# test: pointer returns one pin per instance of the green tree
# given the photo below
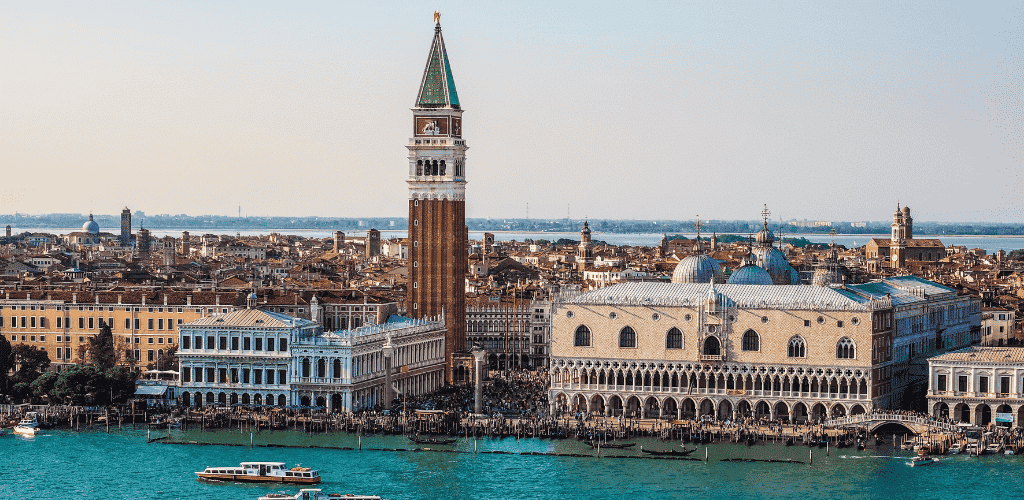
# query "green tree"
(42, 386)
(121, 384)
(81, 384)
(101, 348)
(31, 362)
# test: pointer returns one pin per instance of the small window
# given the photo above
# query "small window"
(687, 317)
(569, 314)
(655, 316)
(764, 319)
(821, 320)
(839, 324)
(807, 322)
(845, 349)
(854, 321)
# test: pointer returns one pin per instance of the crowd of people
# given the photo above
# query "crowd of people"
(513, 394)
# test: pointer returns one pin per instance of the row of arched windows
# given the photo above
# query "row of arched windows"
(438, 167)
(751, 341)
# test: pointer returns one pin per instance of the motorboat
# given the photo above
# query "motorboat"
(992, 449)
(29, 426)
(262, 472)
(954, 449)
(922, 459)
(971, 449)
(316, 494)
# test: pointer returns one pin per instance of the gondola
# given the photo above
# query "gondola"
(419, 440)
(676, 453)
(617, 446)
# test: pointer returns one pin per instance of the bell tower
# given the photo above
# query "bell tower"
(437, 203)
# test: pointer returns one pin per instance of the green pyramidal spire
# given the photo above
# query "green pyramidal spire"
(437, 90)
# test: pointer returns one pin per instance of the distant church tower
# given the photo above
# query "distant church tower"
(126, 226)
(902, 230)
(585, 252)
(438, 259)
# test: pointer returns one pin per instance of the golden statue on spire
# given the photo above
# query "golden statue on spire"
(437, 17)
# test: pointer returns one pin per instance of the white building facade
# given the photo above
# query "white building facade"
(978, 385)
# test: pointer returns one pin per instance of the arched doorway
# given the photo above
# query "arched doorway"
(245, 399)
(817, 412)
(1002, 412)
(281, 400)
(838, 411)
(762, 410)
(651, 408)
(962, 412)
(983, 414)
(615, 404)
(689, 409)
(799, 413)
(671, 408)
(257, 399)
(579, 404)
(210, 398)
(725, 410)
(304, 401)
(597, 405)
(562, 403)
(492, 361)
(743, 409)
(234, 399)
(782, 412)
(941, 410)
(321, 401)
(857, 410)
(337, 403)
(707, 408)
(186, 398)
(633, 407)
(222, 399)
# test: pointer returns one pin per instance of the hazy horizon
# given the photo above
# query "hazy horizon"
(663, 111)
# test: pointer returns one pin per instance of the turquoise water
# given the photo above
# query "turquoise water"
(69, 464)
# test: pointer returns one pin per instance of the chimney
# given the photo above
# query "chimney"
(119, 299)
(143, 298)
(188, 299)
(28, 296)
(165, 299)
(218, 298)
(74, 298)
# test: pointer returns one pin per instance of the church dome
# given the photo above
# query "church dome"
(750, 275)
(91, 226)
(699, 268)
(773, 261)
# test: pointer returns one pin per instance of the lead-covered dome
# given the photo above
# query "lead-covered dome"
(91, 226)
(750, 275)
(773, 261)
(699, 268)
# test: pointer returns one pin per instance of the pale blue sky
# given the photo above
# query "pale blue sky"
(666, 110)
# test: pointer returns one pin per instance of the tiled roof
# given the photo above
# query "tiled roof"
(750, 296)
(978, 354)
(251, 318)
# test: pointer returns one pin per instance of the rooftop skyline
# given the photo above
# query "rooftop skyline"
(586, 110)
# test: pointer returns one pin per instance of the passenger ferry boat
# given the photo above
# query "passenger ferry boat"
(29, 425)
(262, 472)
(316, 494)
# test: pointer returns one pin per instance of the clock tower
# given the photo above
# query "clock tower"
(437, 203)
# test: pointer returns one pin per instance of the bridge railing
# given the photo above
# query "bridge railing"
(894, 418)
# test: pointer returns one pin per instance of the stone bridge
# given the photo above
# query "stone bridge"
(917, 424)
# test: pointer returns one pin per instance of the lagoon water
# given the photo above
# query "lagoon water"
(63, 464)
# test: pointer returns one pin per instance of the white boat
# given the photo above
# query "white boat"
(921, 460)
(971, 449)
(954, 449)
(262, 472)
(316, 494)
(992, 449)
(29, 425)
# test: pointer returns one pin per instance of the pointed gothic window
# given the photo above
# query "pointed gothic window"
(797, 348)
(419, 167)
(627, 337)
(751, 341)
(845, 349)
(582, 336)
(433, 169)
(441, 171)
(712, 347)
(674, 339)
